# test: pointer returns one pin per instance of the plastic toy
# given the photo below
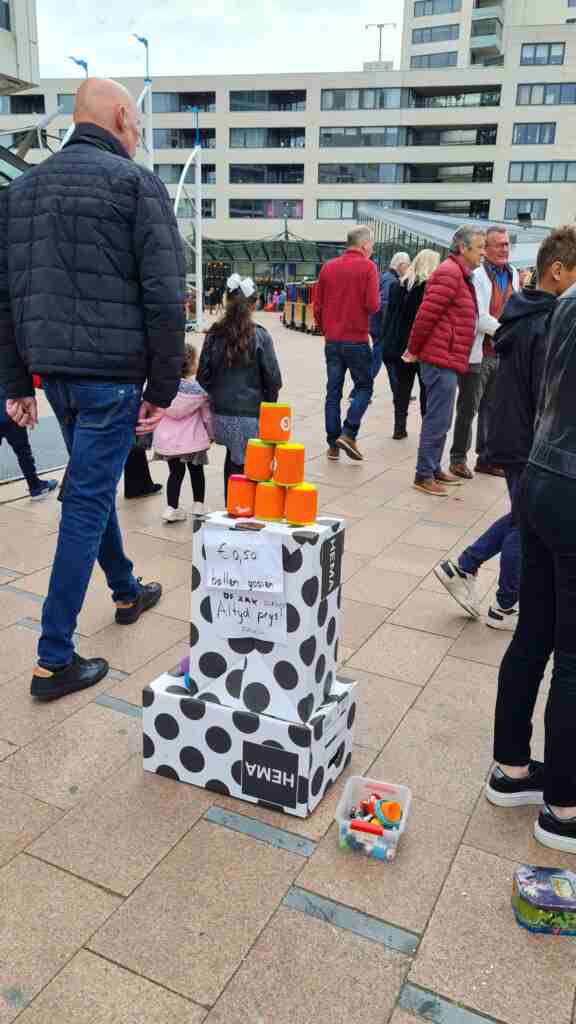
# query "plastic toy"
(301, 505)
(275, 422)
(544, 899)
(259, 461)
(371, 817)
(289, 464)
(241, 496)
(269, 501)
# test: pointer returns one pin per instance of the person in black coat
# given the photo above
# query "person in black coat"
(404, 301)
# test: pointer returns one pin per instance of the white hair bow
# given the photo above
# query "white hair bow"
(246, 285)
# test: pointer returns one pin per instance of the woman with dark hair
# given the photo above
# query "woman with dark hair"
(239, 370)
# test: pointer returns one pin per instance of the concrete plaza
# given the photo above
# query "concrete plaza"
(127, 898)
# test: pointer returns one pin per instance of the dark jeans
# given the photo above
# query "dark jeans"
(502, 538)
(137, 479)
(19, 442)
(98, 423)
(475, 391)
(176, 476)
(376, 356)
(357, 358)
(230, 468)
(440, 384)
(546, 624)
(406, 374)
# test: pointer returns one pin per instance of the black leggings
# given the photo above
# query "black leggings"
(406, 375)
(177, 473)
(229, 469)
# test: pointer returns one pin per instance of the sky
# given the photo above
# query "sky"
(213, 37)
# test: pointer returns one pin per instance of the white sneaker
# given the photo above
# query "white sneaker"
(460, 585)
(199, 508)
(173, 515)
(502, 618)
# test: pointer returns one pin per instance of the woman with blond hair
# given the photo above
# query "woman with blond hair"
(403, 304)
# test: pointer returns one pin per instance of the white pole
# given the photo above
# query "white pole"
(149, 126)
(199, 281)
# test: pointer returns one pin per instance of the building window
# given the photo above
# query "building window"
(267, 138)
(266, 174)
(435, 34)
(187, 209)
(435, 60)
(542, 170)
(66, 101)
(358, 174)
(448, 174)
(479, 135)
(360, 136)
(267, 209)
(535, 207)
(183, 102)
(534, 133)
(552, 94)
(361, 99)
(5, 15)
(476, 208)
(268, 99)
(170, 174)
(542, 53)
(21, 104)
(351, 209)
(486, 27)
(425, 8)
(183, 138)
(425, 99)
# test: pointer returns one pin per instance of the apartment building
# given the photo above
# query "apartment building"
(18, 46)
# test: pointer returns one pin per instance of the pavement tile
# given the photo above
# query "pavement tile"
(62, 766)
(130, 649)
(359, 621)
(351, 564)
(23, 719)
(25, 553)
(379, 587)
(130, 689)
(401, 1017)
(382, 705)
(18, 647)
(442, 760)
(401, 654)
(431, 613)
(17, 606)
(509, 834)
(352, 506)
(406, 558)
(404, 891)
(208, 899)
(122, 830)
(461, 690)
(176, 604)
(21, 821)
(433, 535)
(474, 953)
(453, 513)
(277, 979)
(46, 915)
(6, 749)
(91, 990)
(479, 643)
(376, 532)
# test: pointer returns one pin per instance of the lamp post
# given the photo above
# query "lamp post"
(81, 64)
(145, 102)
(380, 25)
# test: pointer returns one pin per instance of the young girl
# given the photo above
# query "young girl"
(182, 438)
(239, 370)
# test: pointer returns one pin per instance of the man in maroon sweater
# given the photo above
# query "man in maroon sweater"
(348, 291)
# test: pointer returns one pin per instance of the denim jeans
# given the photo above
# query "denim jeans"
(440, 384)
(475, 390)
(19, 442)
(356, 357)
(502, 538)
(376, 356)
(98, 423)
(547, 614)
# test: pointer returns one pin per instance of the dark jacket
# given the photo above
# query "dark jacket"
(520, 344)
(376, 321)
(554, 447)
(91, 272)
(238, 390)
(403, 304)
(346, 294)
(445, 325)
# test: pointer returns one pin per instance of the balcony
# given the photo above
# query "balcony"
(485, 35)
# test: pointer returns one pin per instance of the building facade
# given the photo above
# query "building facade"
(18, 47)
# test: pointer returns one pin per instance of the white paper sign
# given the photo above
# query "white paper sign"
(238, 561)
(235, 614)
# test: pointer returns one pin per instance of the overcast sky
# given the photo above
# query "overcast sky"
(216, 37)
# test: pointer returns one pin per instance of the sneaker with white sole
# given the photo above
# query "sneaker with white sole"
(502, 791)
(173, 515)
(502, 618)
(555, 833)
(460, 585)
(199, 508)
(43, 489)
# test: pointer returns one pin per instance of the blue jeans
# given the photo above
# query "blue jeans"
(357, 358)
(19, 442)
(441, 385)
(502, 538)
(97, 422)
(376, 356)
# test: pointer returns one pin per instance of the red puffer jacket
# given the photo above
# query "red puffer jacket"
(445, 325)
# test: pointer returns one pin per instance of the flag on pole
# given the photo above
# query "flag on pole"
(80, 63)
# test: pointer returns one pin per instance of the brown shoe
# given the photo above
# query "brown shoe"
(447, 479)
(348, 445)
(333, 454)
(488, 469)
(462, 470)
(430, 486)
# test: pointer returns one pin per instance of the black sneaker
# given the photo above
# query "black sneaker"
(149, 596)
(556, 833)
(505, 792)
(50, 684)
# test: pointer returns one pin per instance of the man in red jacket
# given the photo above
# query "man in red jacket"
(348, 291)
(441, 339)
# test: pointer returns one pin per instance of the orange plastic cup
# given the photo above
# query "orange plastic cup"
(259, 460)
(289, 464)
(301, 505)
(275, 422)
(241, 496)
(270, 500)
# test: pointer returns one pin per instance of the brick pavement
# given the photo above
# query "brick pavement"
(127, 898)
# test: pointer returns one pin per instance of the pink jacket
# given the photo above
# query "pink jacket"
(186, 426)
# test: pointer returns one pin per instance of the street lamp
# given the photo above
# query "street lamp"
(81, 64)
(380, 25)
(145, 102)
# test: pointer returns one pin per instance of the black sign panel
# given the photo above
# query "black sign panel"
(331, 562)
(269, 774)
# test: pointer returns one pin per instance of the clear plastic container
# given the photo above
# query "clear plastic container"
(357, 788)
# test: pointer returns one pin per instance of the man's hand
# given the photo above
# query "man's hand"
(148, 418)
(408, 357)
(24, 411)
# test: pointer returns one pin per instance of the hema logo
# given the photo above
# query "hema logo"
(331, 560)
(270, 774)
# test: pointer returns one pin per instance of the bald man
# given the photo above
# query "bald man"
(91, 299)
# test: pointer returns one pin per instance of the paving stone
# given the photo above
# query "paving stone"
(351, 564)
(401, 1017)
(406, 558)
(277, 977)
(474, 953)
(24, 719)
(26, 553)
(130, 648)
(376, 532)
(359, 621)
(401, 654)
(479, 643)
(509, 834)
(382, 705)
(432, 613)
(177, 603)
(433, 535)
(402, 892)
(14, 606)
(211, 897)
(18, 648)
(378, 587)
(461, 690)
(46, 916)
(130, 689)
(21, 821)
(6, 749)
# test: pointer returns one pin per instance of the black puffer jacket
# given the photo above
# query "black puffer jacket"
(403, 304)
(238, 390)
(520, 343)
(555, 443)
(92, 272)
